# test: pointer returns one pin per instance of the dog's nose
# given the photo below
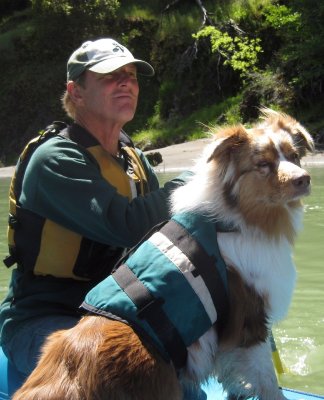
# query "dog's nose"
(302, 181)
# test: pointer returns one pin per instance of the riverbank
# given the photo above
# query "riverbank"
(182, 156)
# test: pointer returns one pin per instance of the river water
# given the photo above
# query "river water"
(300, 337)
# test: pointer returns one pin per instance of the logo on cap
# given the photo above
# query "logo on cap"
(117, 47)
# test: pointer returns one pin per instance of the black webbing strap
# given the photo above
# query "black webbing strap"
(50, 131)
(205, 266)
(132, 250)
(149, 308)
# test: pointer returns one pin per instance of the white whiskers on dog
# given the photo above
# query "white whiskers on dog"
(250, 182)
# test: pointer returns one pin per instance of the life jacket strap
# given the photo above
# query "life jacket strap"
(132, 250)
(207, 266)
(10, 260)
(150, 309)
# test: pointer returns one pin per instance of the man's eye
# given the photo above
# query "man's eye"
(132, 75)
(118, 75)
(109, 76)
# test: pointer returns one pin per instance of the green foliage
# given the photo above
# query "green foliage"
(246, 9)
(52, 6)
(239, 52)
(299, 24)
(282, 17)
(8, 7)
(181, 24)
(163, 133)
(249, 53)
(265, 88)
(142, 8)
(165, 104)
(91, 8)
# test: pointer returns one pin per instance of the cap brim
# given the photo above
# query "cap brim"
(111, 64)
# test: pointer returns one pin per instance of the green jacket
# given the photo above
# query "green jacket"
(64, 184)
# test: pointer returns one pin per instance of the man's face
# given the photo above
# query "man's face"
(112, 97)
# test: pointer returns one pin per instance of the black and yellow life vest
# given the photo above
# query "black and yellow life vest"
(44, 247)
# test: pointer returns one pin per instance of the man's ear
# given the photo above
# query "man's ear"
(74, 91)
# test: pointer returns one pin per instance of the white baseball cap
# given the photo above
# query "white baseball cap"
(103, 56)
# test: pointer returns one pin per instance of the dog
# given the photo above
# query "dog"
(251, 182)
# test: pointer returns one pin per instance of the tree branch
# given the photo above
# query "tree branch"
(206, 18)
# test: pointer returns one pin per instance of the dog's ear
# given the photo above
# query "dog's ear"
(301, 137)
(302, 140)
(227, 142)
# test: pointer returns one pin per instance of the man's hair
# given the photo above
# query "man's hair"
(67, 103)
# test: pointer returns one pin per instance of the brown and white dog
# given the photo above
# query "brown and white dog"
(249, 178)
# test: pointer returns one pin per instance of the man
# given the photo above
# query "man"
(84, 196)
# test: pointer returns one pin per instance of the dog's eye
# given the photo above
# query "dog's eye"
(262, 164)
(294, 158)
(263, 167)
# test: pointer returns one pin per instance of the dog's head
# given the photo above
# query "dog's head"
(263, 161)
(260, 169)
(254, 175)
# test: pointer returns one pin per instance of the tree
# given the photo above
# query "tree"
(239, 52)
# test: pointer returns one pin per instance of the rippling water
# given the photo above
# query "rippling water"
(300, 337)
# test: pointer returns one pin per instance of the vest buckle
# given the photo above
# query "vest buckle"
(13, 221)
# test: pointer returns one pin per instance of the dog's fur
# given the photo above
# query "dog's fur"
(252, 179)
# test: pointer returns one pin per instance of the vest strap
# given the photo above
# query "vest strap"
(149, 308)
(207, 266)
(10, 260)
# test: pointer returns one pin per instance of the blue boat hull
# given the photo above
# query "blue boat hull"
(214, 392)
(11, 380)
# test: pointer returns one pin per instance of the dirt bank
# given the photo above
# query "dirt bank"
(182, 156)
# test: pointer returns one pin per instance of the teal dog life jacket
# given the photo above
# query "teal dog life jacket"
(172, 289)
